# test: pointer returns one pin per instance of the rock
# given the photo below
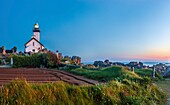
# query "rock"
(99, 64)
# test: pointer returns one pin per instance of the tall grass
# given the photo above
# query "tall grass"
(127, 92)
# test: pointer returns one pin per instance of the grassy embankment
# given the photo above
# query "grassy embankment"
(124, 88)
(113, 73)
(114, 92)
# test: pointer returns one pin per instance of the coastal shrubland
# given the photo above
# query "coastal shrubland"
(126, 92)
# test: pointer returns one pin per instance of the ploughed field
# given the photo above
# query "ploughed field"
(35, 75)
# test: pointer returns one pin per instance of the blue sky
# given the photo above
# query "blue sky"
(118, 30)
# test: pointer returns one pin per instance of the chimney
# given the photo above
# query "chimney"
(3, 50)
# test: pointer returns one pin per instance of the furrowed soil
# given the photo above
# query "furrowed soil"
(36, 75)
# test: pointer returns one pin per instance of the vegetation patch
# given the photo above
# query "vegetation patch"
(106, 74)
(148, 73)
(36, 60)
(114, 73)
(127, 92)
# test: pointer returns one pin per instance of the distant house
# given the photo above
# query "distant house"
(4, 52)
(76, 59)
(34, 45)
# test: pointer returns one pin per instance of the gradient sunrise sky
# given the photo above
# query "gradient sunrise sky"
(119, 30)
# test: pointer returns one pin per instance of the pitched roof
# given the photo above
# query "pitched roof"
(35, 40)
(9, 51)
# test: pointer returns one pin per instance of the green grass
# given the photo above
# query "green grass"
(113, 73)
(165, 85)
(144, 72)
(106, 74)
(148, 73)
(127, 92)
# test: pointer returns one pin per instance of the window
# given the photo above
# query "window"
(33, 43)
(33, 50)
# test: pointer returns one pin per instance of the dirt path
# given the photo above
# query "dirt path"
(165, 85)
(35, 75)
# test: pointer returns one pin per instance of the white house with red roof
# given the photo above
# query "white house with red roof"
(34, 45)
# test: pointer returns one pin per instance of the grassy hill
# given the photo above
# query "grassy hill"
(124, 88)
(106, 74)
(113, 73)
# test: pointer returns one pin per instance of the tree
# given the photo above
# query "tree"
(52, 60)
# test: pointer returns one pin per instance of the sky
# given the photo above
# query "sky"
(119, 30)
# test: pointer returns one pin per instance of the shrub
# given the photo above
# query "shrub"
(36, 60)
(26, 61)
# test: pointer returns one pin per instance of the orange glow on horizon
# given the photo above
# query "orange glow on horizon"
(159, 57)
(161, 54)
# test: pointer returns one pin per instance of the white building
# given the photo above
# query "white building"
(34, 44)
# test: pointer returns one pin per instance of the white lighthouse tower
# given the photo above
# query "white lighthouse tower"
(36, 32)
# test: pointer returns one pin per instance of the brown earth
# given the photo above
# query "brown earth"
(36, 75)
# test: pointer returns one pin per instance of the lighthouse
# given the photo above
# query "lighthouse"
(34, 45)
(36, 32)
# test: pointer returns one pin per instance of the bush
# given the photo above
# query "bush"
(36, 60)
(26, 61)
